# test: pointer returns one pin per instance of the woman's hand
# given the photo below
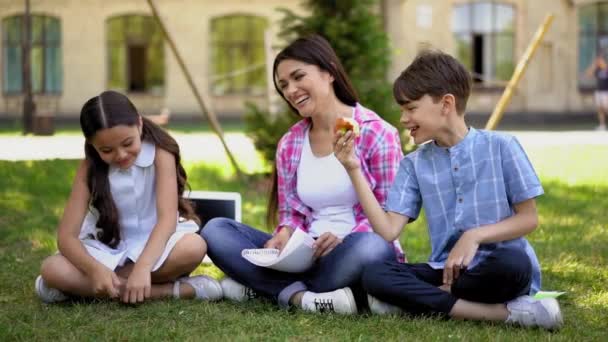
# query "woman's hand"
(460, 257)
(105, 282)
(280, 239)
(344, 150)
(139, 285)
(325, 244)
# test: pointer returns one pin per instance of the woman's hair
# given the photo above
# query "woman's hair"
(107, 110)
(314, 50)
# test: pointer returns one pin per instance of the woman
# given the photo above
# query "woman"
(312, 191)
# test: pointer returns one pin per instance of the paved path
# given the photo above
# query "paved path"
(206, 146)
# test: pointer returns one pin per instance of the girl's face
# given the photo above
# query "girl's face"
(118, 146)
(305, 86)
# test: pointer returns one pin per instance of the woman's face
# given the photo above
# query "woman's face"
(305, 86)
(118, 146)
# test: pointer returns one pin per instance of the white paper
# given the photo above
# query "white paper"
(296, 256)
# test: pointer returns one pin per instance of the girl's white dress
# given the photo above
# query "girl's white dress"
(134, 192)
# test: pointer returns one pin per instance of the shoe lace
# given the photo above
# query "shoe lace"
(323, 305)
(250, 293)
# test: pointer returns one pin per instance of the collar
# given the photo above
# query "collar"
(145, 157)
(466, 141)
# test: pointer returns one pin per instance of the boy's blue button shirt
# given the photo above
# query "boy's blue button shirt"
(473, 183)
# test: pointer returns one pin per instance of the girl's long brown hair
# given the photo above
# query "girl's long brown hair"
(314, 50)
(107, 110)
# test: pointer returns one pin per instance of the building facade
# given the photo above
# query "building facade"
(80, 48)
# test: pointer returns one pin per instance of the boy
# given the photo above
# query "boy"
(477, 188)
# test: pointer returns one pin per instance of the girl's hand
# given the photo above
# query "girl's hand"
(280, 239)
(105, 282)
(344, 150)
(460, 256)
(325, 244)
(139, 285)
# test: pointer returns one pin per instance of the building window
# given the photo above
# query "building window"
(136, 58)
(45, 65)
(592, 38)
(484, 33)
(237, 55)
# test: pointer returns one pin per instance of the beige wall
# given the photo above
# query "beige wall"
(84, 49)
(549, 85)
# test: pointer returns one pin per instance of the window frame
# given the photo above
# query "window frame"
(249, 43)
(595, 34)
(45, 43)
(144, 38)
(494, 33)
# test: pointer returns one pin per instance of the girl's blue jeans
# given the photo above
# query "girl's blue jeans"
(342, 267)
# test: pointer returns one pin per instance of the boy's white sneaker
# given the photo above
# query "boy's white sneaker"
(379, 307)
(237, 291)
(529, 312)
(48, 294)
(600, 127)
(340, 301)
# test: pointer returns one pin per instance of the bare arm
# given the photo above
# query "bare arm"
(388, 225)
(522, 223)
(139, 282)
(69, 244)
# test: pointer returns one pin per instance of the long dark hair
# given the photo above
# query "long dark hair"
(314, 50)
(107, 110)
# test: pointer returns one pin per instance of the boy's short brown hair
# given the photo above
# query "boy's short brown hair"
(434, 73)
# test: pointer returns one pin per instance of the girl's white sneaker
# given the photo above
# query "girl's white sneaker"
(48, 294)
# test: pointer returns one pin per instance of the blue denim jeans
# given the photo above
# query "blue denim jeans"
(504, 275)
(340, 268)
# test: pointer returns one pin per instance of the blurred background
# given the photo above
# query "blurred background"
(80, 48)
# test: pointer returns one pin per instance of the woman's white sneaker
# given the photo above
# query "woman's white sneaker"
(529, 312)
(48, 294)
(237, 291)
(382, 308)
(340, 301)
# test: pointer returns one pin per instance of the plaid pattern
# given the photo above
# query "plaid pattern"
(378, 147)
(474, 183)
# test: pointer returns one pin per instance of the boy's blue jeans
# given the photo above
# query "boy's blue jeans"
(342, 267)
(504, 275)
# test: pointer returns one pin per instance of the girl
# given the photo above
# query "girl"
(312, 191)
(126, 232)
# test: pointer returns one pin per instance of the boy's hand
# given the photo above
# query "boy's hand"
(460, 256)
(344, 150)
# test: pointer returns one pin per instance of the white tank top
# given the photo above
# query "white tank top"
(325, 187)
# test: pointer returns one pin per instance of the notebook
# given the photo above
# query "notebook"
(296, 256)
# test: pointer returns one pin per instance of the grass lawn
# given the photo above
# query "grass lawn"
(571, 242)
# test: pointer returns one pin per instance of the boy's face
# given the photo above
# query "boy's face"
(423, 118)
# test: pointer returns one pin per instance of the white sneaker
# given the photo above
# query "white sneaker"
(529, 312)
(381, 308)
(48, 294)
(205, 288)
(600, 128)
(237, 291)
(341, 301)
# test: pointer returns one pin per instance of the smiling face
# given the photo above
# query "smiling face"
(423, 118)
(306, 87)
(118, 146)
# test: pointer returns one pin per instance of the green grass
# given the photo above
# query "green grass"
(571, 242)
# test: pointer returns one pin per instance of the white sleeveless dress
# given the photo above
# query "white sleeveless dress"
(134, 192)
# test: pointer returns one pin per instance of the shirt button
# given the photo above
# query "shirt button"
(460, 200)
(456, 168)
